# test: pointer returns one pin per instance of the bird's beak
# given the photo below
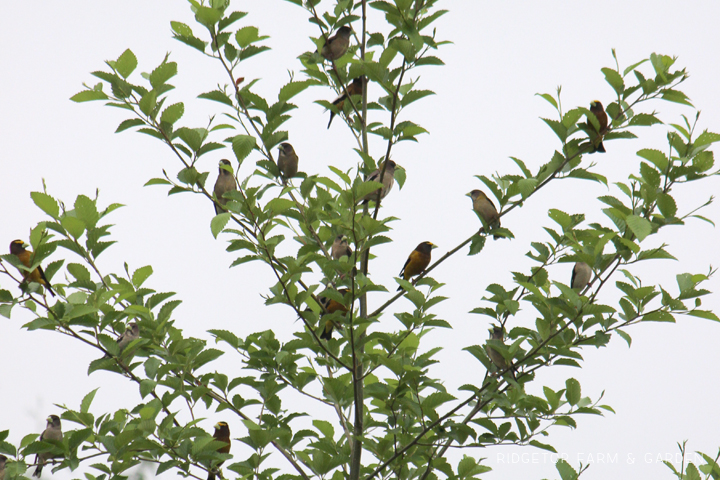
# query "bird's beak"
(468, 194)
(433, 245)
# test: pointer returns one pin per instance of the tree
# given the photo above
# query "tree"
(411, 417)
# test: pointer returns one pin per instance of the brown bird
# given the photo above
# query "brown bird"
(3, 459)
(388, 180)
(337, 45)
(222, 434)
(331, 306)
(340, 248)
(496, 333)
(287, 161)
(131, 333)
(355, 88)
(17, 248)
(53, 431)
(580, 275)
(485, 209)
(597, 109)
(417, 262)
(224, 183)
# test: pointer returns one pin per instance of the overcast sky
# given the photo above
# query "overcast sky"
(664, 389)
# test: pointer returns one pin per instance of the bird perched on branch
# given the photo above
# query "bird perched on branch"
(224, 183)
(287, 161)
(131, 333)
(388, 180)
(53, 431)
(222, 434)
(496, 333)
(597, 109)
(355, 88)
(485, 209)
(17, 248)
(340, 248)
(337, 45)
(417, 262)
(331, 306)
(580, 275)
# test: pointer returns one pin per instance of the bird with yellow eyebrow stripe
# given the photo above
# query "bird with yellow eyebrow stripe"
(597, 109)
(222, 434)
(17, 248)
(417, 261)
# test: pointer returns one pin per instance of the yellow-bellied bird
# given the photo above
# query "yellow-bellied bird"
(417, 261)
(597, 109)
(580, 275)
(53, 431)
(287, 161)
(224, 183)
(355, 88)
(17, 248)
(337, 45)
(331, 306)
(222, 434)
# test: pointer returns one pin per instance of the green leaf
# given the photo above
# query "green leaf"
(572, 391)
(173, 113)
(162, 74)
(639, 226)
(74, 226)
(667, 205)
(656, 157)
(247, 35)
(141, 274)
(280, 205)
(676, 96)
(614, 79)
(293, 88)
(706, 314)
(89, 95)
(217, 96)
(126, 63)
(565, 470)
(242, 145)
(87, 400)
(217, 224)
(46, 203)
(207, 16)
(132, 122)
(147, 102)
(549, 98)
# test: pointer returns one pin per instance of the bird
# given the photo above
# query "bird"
(485, 209)
(131, 333)
(222, 434)
(355, 88)
(337, 45)
(224, 183)
(17, 248)
(597, 109)
(287, 161)
(580, 275)
(496, 333)
(3, 459)
(53, 431)
(417, 262)
(331, 306)
(388, 180)
(340, 248)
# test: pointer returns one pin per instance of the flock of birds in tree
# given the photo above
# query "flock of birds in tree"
(287, 163)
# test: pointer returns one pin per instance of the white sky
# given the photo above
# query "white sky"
(663, 389)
